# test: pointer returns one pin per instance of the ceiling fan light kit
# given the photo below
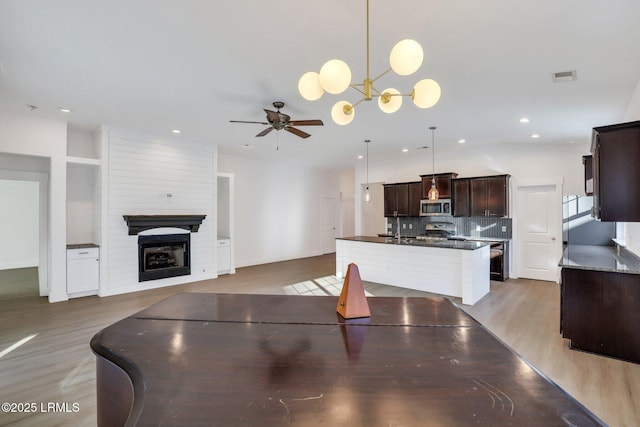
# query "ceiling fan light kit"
(335, 77)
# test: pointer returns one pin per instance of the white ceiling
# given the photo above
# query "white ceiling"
(194, 65)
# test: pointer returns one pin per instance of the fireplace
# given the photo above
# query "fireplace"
(164, 255)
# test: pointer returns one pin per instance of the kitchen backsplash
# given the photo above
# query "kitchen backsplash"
(465, 226)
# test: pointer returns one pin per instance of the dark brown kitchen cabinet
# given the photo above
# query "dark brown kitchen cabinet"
(460, 197)
(587, 161)
(488, 196)
(415, 195)
(616, 172)
(599, 312)
(396, 199)
(443, 184)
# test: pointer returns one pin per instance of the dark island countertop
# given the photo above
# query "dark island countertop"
(408, 241)
(600, 258)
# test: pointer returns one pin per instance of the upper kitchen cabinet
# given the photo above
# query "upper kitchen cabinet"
(415, 195)
(460, 197)
(481, 196)
(587, 161)
(396, 199)
(443, 184)
(616, 175)
(488, 196)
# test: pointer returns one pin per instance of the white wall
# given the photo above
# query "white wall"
(26, 135)
(521, 161)
(19, 224)
(148, 175)
(632, 230)
(278, 208)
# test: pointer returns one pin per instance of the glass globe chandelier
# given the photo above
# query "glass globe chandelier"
(335, 77)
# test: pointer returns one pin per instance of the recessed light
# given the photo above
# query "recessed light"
(176, 131)
(535, 135)
(65, 110)
(404, 150)
(524, 120)
(462, 141)
(564, 76)
(360, 157)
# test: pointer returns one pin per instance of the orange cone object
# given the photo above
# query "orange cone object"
(352, 302)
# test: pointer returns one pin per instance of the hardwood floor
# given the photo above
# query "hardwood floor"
(57, 366)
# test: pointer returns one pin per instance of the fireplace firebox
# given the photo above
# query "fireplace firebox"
(162, 256)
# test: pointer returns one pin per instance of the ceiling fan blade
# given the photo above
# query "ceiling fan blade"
(298, 132)
(306, 123)
(272, 116)
(266, 131)
(243, 121)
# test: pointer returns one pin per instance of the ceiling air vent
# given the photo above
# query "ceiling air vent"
(564, 76)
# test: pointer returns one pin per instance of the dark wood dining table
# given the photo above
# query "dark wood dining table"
(206, 359)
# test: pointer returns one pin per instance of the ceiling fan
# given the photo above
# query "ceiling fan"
(277, 120)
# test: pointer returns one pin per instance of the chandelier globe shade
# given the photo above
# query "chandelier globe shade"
(390, 100)
(426, 93)
(406, 57)
(343, 113)
(335, 76)
(309, 86)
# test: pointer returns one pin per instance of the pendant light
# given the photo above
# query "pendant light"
(367, 194)
(433, 192)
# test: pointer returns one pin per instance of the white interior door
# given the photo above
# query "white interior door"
(328, 225)
(539, 243)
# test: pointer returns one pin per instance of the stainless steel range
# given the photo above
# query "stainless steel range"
(437, 231)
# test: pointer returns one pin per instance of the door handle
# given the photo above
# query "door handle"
(553, 238)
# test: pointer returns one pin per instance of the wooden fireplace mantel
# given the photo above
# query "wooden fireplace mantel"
(138, 223)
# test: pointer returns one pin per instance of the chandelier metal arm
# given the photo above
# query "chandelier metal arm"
(381, 75)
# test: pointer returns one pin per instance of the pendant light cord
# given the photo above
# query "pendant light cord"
(433, 155)
(367, 142)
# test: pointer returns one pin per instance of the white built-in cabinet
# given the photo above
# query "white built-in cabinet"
(83, 270)
(224, 248)
(224, 256)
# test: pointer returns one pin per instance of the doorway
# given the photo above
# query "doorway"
(24, 212)
(539, 229)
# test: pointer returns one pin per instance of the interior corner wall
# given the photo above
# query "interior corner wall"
(144, 174)
(278, 213)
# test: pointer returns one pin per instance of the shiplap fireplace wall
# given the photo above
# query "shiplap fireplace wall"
(145, 175)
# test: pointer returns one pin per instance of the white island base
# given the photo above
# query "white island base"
(462, 273)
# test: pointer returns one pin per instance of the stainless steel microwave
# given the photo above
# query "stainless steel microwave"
(435, 207)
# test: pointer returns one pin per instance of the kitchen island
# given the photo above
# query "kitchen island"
(454, 268)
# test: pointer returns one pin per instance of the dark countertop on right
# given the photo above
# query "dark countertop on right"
(600, 258)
